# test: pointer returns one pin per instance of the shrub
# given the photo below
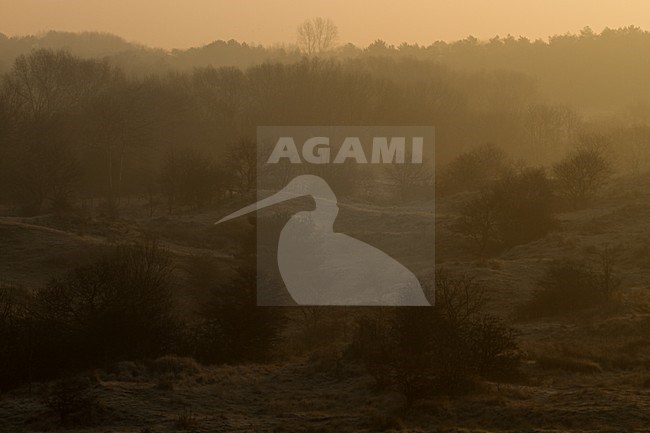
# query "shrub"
(15, 336)
(174, 365)
(478, 221)
(318, 328)
(231, 327)
(117, 308)
(494, 347)
(569, 287)
(525, 206)
(412, 181)
(73, 400)
(515, 210)
(584, 171)
(472, 170)
(441, 349)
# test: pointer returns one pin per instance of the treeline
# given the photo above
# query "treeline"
(74, 129)
(593, 71)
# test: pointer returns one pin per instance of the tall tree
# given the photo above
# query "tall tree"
(317, 35)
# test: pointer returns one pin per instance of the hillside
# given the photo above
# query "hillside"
(564, 69)
(585, 372)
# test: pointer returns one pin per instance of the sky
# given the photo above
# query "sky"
(186, 23)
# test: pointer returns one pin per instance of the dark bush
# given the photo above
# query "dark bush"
(443, 349)
(74, 401)
(118, 308)
(525, 206)
(517, 209)
(15, 336)
(569, 287)
(115, 309)
(479, 222)
(472, 170)
(231, 327)
(585, 170)
(493, 347)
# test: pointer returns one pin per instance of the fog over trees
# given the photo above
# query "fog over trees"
(132, 152)
(565, 68)
(91, 115)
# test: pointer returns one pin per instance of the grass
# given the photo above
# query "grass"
(588, 371)
(572, 365)
(186, 420)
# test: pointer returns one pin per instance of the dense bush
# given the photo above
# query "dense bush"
(472, 170)
(74, 400)
(525, 202)
(479, 222)
(569, 287)
(436, 350)
(516, 209)
(582, 173)
(117, 308)
(231, 327)
(15, 336)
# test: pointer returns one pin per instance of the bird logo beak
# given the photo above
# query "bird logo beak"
(269, 201)
(298, 187)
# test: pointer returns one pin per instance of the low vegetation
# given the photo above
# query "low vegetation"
(97, 153)
(570, 287)
(583, 173)
(516, 209)
(424, 352)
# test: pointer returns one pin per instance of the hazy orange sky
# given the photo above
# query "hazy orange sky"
(185, 23)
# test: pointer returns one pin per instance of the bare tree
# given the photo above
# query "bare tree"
(479, 221)
(44, 94)
(604, 276)
(241, 161)
(317, 35)
(549, 128)
(411, 180)
(117, 123)
(45, 82)
(474, 169)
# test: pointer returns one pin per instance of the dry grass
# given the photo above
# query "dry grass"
(572, 365)
(585, 372)
(295, 397)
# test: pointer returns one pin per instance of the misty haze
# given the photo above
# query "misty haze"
(523, 235)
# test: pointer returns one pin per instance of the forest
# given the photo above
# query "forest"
(121, 126)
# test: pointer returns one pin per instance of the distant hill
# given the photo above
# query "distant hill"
(596, 72)
(136, 58)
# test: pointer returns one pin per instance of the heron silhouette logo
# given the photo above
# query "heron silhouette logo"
(320, 266)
